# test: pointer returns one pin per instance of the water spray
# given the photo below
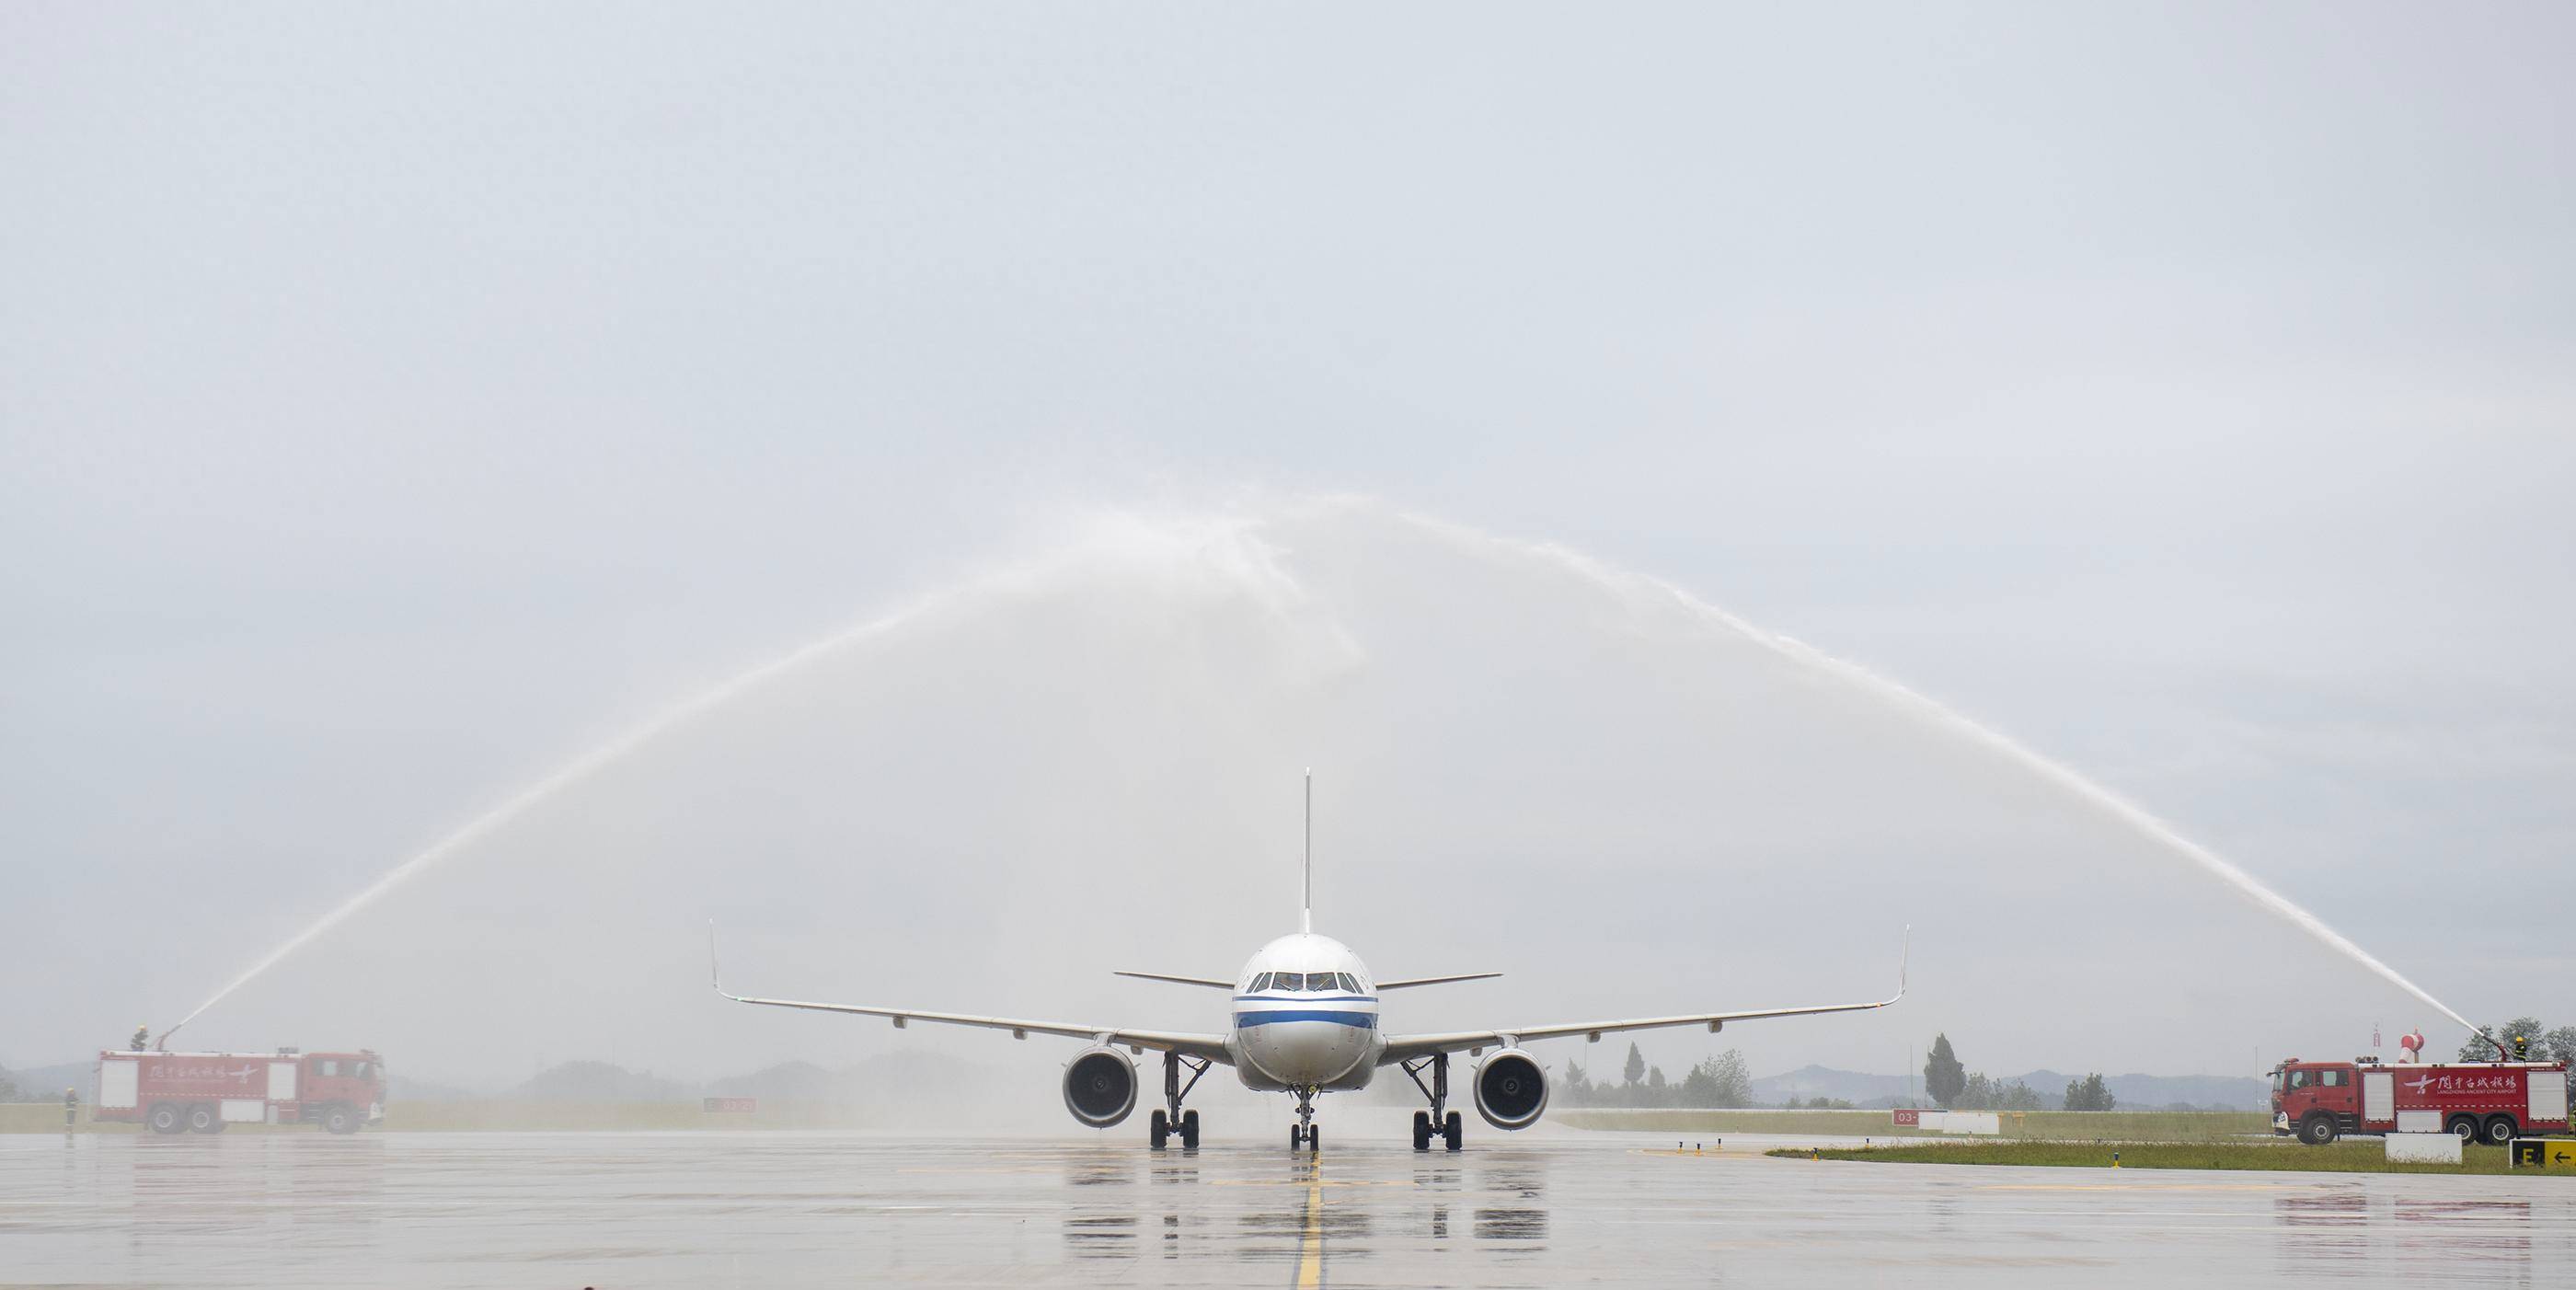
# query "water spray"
(1615, 581)
(1926, 709)
(586, 765)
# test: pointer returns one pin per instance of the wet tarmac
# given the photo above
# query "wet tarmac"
(772, 1209)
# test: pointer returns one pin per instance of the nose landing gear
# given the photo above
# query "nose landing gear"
(1175, 1120)
(1441, 1122)
(1303, 1132)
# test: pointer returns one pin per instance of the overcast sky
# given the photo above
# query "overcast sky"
(394, 403)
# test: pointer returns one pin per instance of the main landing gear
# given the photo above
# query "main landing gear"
(1174, 1120)
(1439, 1121)
(1304, 1133)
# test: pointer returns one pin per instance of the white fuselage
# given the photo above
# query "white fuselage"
(1304, 1016)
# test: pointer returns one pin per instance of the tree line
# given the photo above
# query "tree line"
(2545, 1044)
(1723, 1080)
(1954, 1087)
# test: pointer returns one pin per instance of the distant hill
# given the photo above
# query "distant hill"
(2155, 1092)
(1811, 1081)
(46, 1083)
(412, 1088)
(789, 1081)
(598, 1082)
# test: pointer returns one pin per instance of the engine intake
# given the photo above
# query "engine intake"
(1099, 1087)
(1511, 1089)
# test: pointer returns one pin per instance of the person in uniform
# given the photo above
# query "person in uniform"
(142, 1037)
(71, 1107)
(2521, 1049)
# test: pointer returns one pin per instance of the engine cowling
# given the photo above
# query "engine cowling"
(1099, 1087)
(1511, 1089)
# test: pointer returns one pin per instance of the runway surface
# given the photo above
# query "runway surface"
(770, 1209)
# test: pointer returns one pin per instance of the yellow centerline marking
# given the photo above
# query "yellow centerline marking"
(1310, 1252)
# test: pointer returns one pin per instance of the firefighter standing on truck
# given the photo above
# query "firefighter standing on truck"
(2521, 1049)
(142, 1036)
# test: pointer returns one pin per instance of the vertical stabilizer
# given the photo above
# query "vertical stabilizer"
(1306, 911)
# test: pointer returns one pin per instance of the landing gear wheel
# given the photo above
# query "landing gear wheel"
(2464, 1126)
(1315, 1138)
(1296, 1137)
(1422, 1130)
(2317, 1130)
(202, 1119)
(1455, 1131)
(2500, 1130)
(166, 1118)
(1190, 1130)
(1157, 1130)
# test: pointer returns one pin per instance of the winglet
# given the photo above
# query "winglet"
(1903, 956)
(715, 971)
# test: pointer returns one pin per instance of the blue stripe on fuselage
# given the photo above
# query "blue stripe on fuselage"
(1305, 998)
(1358, 1020)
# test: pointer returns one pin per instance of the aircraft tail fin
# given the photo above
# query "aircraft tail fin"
(1306, 911)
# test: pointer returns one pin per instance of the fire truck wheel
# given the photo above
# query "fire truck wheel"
(340, 1118)
(2317, 1130)
(202, 1119)
(2500, 1129)
(166, 1118)
(2464, 1126)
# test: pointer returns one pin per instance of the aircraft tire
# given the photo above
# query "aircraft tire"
(1190, 1130)
(1455, 1131)
(1158, 1130)
(1296, 1137)
(1315, 1138)
(1422, 1130)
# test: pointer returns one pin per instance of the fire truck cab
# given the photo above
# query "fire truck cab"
(2480, 1101)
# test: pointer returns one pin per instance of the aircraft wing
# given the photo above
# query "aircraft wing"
(1205, 1046)
(1406, 1047)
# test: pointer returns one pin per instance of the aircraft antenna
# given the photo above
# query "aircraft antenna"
(1306, 921)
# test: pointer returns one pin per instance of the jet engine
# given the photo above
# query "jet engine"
(1511, 1089)
(1099, 1087)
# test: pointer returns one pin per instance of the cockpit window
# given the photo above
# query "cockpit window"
(1287, 981)
(1350, 984)
(1260, 981)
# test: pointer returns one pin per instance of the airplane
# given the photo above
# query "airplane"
(1305, 1021)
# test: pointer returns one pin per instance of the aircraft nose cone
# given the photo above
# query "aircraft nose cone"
(1307, 1052)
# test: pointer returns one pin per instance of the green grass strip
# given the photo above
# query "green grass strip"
(2350, 1157)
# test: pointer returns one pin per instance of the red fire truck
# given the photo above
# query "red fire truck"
(203, 1092)
(2480, 1101)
